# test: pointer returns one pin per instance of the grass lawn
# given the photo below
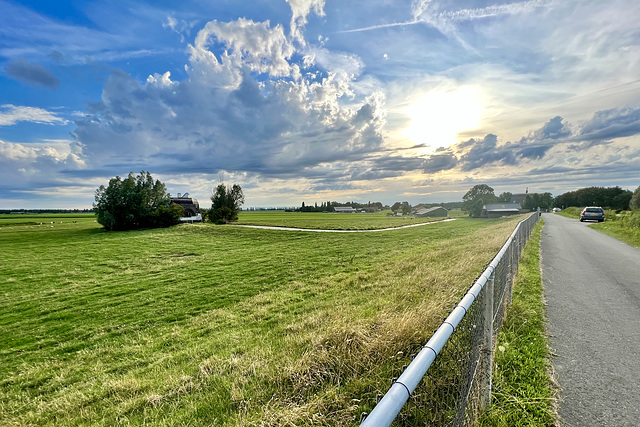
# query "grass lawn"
(333, 220)
(219, 325)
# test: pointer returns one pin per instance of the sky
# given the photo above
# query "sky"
(317, 100)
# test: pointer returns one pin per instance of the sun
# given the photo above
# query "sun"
(438, 116)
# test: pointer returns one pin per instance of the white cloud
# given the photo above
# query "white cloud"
(300, 9)
(26, 167)
(247, 105)
(12, 114)
(479, 13)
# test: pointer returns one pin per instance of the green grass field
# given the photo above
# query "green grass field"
(334, 221)
(219, 325)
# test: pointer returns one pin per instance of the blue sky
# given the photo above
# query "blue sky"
(314, 100)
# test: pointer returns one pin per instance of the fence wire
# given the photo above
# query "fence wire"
(451, 391)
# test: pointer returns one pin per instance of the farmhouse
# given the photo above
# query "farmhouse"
(498, 210)
(189, 204)
(436, 211)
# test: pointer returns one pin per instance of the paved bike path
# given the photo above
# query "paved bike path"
(592, 289)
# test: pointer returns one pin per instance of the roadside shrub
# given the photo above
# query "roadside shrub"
(631, 220)
(611, 215)
(572, 211)
(634, 203)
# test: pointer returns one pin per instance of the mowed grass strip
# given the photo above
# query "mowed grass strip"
(220, 325)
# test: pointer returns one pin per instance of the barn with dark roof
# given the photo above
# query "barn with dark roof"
(189, 204)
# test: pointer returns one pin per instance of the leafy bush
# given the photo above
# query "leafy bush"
(634, 203)
(610, 215)
(572, 212)
(135, 202)
(631, 220)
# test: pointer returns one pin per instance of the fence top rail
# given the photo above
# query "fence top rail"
(392, 402)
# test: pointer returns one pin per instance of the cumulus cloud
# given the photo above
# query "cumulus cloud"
(610, 124)
(477, 153)
(32, 74)
(253, 44)
(250, 102)
(12, 114)
(25, 167)
(601, 129)
(439, 162)
(300, 9)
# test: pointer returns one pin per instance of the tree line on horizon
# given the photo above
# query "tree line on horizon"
(404, 207)
(614, 198)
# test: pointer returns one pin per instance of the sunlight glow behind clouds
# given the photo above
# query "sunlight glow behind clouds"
(438, 116)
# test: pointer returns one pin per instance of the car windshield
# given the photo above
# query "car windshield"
(598, 210)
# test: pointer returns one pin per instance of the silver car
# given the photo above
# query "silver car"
(592, 213)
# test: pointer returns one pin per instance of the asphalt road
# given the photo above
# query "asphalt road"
(592, 288)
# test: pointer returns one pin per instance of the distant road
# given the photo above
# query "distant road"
(592, 288)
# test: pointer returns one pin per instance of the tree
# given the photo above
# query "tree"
(634, 203)
(135, 202)
(535, 201)
(478, 196)
(396, 207)
(611, 198)
(505, 197)
(226, 203)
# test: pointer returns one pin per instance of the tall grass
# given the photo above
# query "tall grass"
(625, 227)
(220, 325)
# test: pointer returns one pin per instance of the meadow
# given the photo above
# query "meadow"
(201, 324)
(335, 221)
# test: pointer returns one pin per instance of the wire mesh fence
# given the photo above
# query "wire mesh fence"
(452, 388)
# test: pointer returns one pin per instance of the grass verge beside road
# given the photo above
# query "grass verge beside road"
(617, 230)
(523, 393)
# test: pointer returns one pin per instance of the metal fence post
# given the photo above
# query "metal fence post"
(512, 269)
(486, 353)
